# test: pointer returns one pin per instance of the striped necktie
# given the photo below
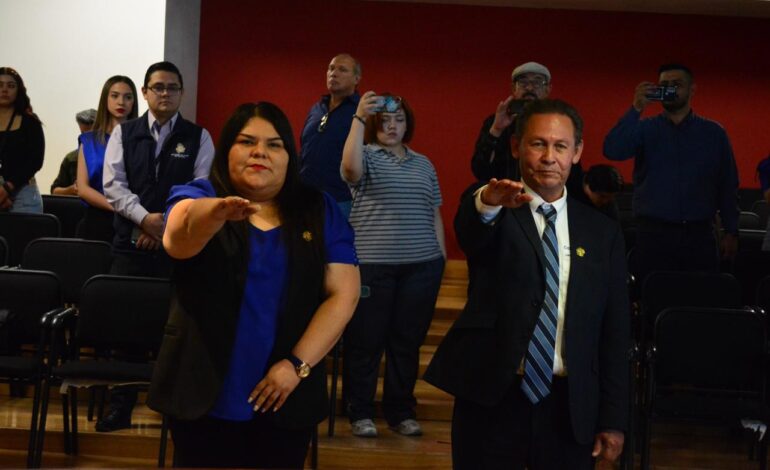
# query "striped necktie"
(538, 365)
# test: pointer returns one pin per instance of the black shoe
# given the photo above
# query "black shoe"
(116, 419)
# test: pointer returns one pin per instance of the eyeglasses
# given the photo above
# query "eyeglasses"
(534, 84)
(159, 89)
(322, 124)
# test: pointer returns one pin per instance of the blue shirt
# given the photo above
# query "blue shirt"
(93, 154)
(321, 151)
(683, 172)
(263, 299)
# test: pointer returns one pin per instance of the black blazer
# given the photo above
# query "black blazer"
(200, 332)
(481, 353)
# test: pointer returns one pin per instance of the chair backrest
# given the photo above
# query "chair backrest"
(74, 260)
(3, 251)
(20, 229)
(68, 209)
(749, 220)
(760, 208)
(27, 295)
(665, 289)
(750, 240)
(711, 348)
(749, 268)
(123, 312)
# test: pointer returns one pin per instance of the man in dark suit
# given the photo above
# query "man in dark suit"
(537, 359)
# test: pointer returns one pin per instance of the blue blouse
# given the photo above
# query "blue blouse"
(93, 153)
(263, 296)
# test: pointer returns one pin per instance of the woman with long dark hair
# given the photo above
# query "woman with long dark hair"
(266, 280)
(22, 146)
(117, 104)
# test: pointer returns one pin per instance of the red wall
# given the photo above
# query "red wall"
(453, 64)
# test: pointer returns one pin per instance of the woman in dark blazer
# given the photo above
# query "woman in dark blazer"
(266, 279)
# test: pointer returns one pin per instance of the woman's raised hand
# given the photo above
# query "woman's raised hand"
(367, 104)
(234, 208)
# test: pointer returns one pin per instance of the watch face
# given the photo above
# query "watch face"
(303, 370)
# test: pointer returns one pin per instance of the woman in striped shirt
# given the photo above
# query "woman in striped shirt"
(400, 245)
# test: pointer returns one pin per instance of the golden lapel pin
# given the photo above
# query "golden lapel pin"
(307, 236)
(580, 251)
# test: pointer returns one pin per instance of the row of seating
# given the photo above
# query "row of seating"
(699, 354)
(60, 302)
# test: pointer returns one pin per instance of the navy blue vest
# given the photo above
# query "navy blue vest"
(176, 163)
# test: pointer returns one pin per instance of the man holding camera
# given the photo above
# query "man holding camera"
(326, 128)
(684, 174)
(492, 156)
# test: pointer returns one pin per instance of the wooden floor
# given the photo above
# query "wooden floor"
(673, 447)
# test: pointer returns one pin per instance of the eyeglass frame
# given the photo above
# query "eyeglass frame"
(160, 89)
(536, 84)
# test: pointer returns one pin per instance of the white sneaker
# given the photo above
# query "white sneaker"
(363, 428)
(408, 427)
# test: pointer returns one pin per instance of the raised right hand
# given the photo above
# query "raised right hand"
(234, 208)
(640, 95)
(367, 104)
(506, 193)
(502, 118)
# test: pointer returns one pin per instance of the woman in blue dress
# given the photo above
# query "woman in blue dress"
(117, 104)
(266, 279)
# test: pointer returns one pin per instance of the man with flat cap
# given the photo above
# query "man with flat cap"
(492, 156)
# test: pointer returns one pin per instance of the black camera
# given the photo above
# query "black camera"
(661, 93)
(516, 107)
(388, 104)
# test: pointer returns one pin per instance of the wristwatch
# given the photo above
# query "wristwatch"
(301, 367)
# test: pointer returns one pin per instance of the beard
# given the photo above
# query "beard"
(674, 106)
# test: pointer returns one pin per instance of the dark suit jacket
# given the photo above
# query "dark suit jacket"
(481, 354)
(197, 346)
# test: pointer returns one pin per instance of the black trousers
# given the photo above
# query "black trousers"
(217, 443)
(664, 246)
(96, 224)
(515, 434)
(393, 316)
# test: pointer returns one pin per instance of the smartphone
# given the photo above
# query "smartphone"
(661, 93)
(388, 104)
(516, 107)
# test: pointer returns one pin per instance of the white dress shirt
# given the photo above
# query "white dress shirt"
(488, 214)
(114, 178)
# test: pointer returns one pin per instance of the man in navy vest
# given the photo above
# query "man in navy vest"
(145, 157)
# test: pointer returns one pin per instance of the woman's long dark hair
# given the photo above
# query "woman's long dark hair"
(301, 208)
(22, 104)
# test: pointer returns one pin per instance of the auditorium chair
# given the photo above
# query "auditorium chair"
(28, 299)
(74, 260)
(749, 220)
(707, 366)
(3, 252)
(20, 229)
(68, 209)
(115, 313)
(661, 290)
